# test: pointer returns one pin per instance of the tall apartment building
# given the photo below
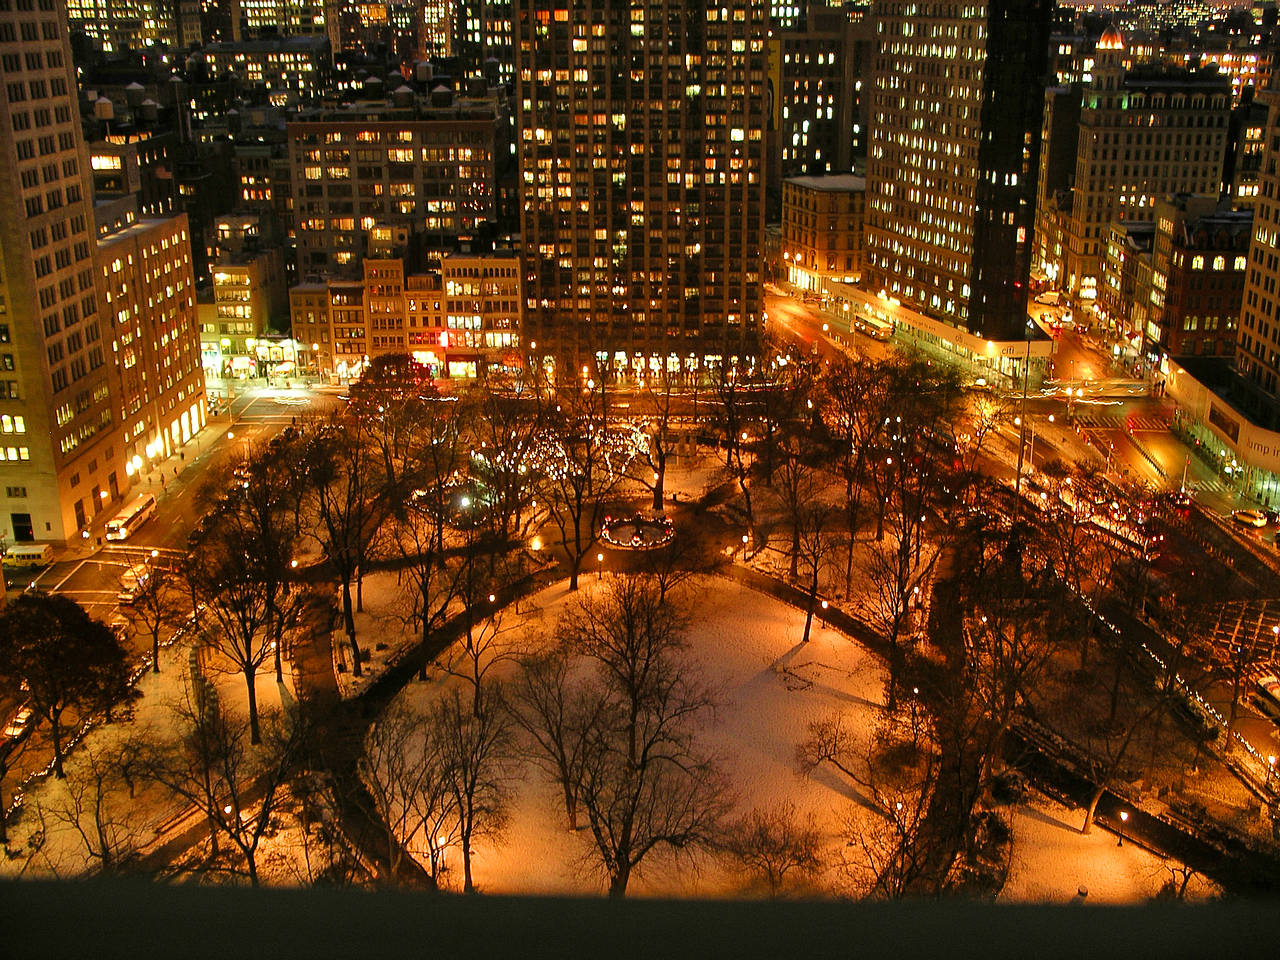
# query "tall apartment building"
(150, 309)
(641, 151)
(429, 167)
(1143, 134)
(952, 161)
(117, 24)
(61, 456)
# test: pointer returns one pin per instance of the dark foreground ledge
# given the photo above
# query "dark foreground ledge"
(142, 921)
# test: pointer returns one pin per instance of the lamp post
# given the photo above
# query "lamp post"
(1271, 769)
(1124, 818)
(599, 569)
(824, 614)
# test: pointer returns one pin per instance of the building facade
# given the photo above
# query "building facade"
(953, 158)
(1144, 134)
(430, 169)
(456, 321)
(641, 154)
(61, 455)
(149, 292)
(822, 221)
(134, 24)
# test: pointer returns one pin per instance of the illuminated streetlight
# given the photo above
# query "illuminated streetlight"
(1124, 818)
(1271, 767)
(600, 569)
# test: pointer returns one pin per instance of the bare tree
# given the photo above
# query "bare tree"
(855, 411)
(735, 423)
(897, 570)
(645, 784)
(92, 807)
(894, 854)
(236, 785)
(581, 465)
(475, 749)
(559, 717)
(394, 768)
(347, 478)
(236, 608)
(813, 545)
(158, 605)
(775, 845)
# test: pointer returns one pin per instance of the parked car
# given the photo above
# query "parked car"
(1250, 518)
(132, 582)
(19, 725)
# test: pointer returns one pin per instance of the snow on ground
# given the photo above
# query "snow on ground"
(1053, 861)
(772, 688)
(382, 630)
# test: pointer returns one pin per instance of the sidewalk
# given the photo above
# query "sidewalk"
(161, 478)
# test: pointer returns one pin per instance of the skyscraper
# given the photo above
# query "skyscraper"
(61, 459)
(1258, 340)
(955, 117)
(640, 133)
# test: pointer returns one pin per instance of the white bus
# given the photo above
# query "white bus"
(134, 515)
(873, 328)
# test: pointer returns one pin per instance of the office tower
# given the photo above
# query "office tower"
(955, 115)
(61, 456)
(1143, 134)
(641, 148)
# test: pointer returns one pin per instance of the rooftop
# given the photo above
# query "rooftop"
(836, 182)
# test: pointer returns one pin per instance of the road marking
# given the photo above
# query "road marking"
(57, 586)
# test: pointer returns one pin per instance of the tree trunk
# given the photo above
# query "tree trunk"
(349, 619)
(1092, 809)
(467, 885)
(574, 563)
(251, 686)
(4, 832)
(570, 807)
(360, 588)
(253, 868)
(813, 593)
(55, 734)
(659, 484)
(155, 651)
(618, 882)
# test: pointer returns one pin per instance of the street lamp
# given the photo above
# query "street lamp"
(1271, 768)
(824, 614)
(1124, 818)
(600, 569)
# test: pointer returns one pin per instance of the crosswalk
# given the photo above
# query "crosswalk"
(1104, 422)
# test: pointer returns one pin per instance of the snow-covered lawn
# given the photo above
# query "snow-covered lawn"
(771, 688)
(1053, 861)
(382, 630)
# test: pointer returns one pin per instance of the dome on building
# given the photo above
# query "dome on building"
(1111, 39)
